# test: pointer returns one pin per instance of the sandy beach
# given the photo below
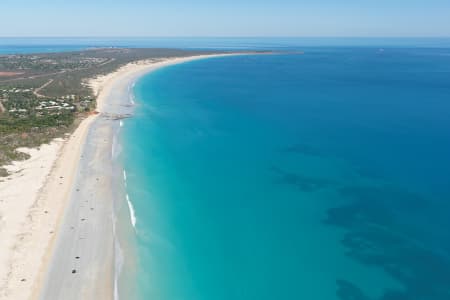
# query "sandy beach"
(57, 208)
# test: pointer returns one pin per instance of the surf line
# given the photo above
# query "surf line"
(132, 213)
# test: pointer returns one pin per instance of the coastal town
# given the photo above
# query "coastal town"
(21, 102)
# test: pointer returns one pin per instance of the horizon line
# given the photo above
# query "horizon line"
(232, 37)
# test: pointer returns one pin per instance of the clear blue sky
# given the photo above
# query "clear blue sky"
(225, 18)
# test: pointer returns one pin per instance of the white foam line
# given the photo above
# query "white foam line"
(130, 93)
(132, 214)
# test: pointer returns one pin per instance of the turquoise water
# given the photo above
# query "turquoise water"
(315, 176)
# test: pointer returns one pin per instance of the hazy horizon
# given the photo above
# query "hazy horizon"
(198, 18)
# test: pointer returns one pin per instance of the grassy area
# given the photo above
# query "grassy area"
(30, 131)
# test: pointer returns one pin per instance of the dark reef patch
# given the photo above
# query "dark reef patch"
(379, 232)
(348, 291)
(300, 181)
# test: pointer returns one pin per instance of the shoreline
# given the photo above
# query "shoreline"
(51, 222)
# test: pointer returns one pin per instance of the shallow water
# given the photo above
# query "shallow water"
(315, 176)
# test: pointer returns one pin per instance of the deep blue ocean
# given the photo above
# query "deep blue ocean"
(317, 176)
(21, 45)
(320, 176)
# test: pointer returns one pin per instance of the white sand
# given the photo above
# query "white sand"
(33, 200)
(17, 208)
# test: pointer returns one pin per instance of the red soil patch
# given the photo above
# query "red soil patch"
(9, 74)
